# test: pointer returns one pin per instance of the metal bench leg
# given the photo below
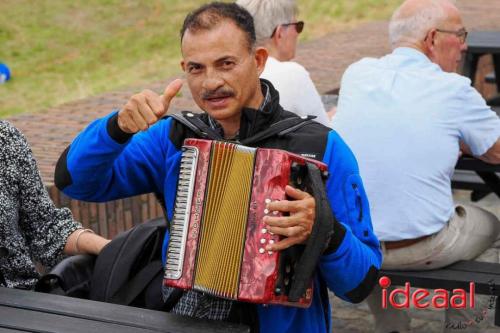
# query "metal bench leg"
(497, 312)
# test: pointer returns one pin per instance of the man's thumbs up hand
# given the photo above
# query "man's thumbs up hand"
(145, 108)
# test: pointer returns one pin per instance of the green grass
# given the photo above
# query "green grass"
(62, 50)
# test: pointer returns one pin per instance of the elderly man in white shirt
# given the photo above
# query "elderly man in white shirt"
(406, 116)
(277, 30)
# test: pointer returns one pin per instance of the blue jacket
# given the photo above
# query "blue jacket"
(104, 164)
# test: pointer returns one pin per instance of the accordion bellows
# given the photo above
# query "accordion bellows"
(217, 237)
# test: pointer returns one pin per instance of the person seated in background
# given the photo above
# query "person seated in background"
(277, 29)
(32, 229)
(406, 117)
(137, 150)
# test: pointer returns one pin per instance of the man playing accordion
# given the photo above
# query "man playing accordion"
(138, 150)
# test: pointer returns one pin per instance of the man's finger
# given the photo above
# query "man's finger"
(296, 193)
(155, 102)
(281, 206)
(283, 244)
(170, 91)
(137, 117)
(295, 231)
(282, 221)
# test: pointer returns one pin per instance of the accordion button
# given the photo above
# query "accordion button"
(271, 241)
(267, 200)
(263, 241)
(269, 252)
(275, 212)
(261, 250)
(264, 230)
(266, 211)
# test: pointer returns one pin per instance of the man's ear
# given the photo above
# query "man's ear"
(261, 55)
(429, 41)
(183, 65)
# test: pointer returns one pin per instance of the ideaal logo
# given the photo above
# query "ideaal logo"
(441, 299)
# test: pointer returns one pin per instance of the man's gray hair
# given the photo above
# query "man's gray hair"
(412, 27)
(268, 14)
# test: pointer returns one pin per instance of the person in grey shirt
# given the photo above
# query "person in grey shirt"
(32, 229)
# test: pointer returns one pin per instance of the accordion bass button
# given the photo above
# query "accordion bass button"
(261, 250)
(266, 211)
(264, 230)
(263, 241)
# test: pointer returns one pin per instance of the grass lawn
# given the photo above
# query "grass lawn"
(62, 50)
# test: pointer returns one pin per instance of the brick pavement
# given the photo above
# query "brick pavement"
(50, 131)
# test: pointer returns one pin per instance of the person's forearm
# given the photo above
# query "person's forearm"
(81, 241)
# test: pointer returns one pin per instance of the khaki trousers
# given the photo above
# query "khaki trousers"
(472, 233)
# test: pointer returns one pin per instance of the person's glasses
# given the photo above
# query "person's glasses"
(461, 34)
(299, 26)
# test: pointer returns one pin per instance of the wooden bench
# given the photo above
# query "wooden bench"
(486, 277)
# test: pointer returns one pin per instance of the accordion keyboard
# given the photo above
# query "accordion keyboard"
(182, 211)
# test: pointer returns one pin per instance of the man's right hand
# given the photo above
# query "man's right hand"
(146, 108)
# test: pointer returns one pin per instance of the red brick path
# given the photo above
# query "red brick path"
(50, 131)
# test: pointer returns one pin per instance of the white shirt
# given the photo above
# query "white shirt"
(296, 89)
(403, 117)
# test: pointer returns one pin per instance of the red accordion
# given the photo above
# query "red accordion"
(217, 236)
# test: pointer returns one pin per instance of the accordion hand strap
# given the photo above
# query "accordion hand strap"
(321, 233)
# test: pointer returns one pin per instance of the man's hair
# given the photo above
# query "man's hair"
(210, 15)
(268, 14)
(412, 27)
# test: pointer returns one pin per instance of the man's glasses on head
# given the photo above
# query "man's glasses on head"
(461, 34)
(299, 26)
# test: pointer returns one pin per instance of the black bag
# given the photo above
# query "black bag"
(71, 277)
(129, 269)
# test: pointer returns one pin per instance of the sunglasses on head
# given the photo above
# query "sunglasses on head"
(299, 26)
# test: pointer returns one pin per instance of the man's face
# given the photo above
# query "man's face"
(288, 42)
(222, 73)
(448, 47)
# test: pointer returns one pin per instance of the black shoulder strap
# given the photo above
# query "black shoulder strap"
(280, 128)
(194, 123)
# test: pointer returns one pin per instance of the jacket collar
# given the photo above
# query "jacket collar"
(252, 120)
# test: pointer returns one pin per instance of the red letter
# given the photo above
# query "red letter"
(419, 295)
(460, 296)
(441, 294)
(384, 283)
(472, 294)
(405, 292)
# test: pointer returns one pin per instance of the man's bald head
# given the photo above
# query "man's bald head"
(414, 18)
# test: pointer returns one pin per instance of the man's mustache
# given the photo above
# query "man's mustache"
(217, 93)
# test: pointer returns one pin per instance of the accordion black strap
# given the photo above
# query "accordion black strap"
(280, 128)
(321, 233)
(194, 123)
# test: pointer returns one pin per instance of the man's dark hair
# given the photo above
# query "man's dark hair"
(208, 16)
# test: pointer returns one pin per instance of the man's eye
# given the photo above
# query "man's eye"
(227, 64)
(194, 68)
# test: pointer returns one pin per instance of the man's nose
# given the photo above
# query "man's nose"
(212, 80)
